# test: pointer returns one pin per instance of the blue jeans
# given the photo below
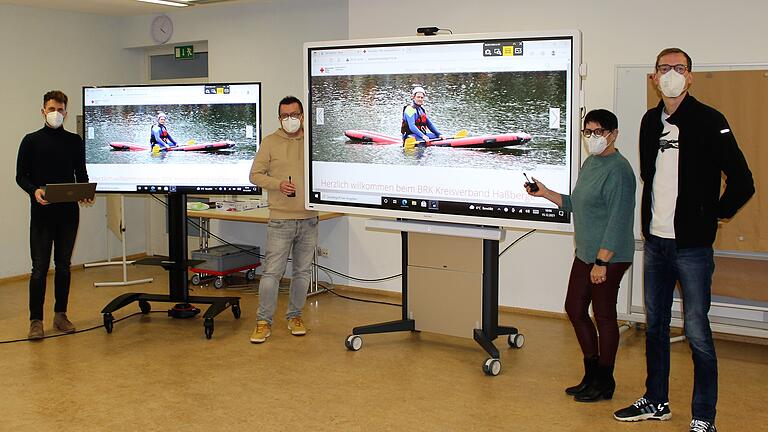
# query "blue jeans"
(284, 235)
(665, 264)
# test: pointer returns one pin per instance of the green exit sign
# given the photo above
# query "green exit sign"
(185, 52)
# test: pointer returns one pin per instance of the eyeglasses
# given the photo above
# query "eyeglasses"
(293, 116)
(597, 132)
(679, 68)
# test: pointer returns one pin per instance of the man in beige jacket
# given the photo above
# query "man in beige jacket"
(279, 168)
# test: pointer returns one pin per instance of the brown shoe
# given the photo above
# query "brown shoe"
(35, 329)
(62, 323)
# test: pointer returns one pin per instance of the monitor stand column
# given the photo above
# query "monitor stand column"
(454, 283)
(177, 266)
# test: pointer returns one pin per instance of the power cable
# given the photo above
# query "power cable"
(332, 290)
(517, 240)
(76, 332)
(208, 232)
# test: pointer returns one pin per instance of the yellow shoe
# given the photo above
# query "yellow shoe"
(262, 331)
(296, 326)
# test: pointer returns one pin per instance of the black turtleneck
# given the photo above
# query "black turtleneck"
(50, 156)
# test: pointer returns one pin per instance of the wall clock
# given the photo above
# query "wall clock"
(161, 29)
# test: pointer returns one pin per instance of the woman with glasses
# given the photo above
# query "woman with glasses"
(603, 207)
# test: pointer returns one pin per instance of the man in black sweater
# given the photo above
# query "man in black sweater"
(51, 155)
(686, 148)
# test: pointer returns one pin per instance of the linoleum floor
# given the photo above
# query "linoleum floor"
(155, 373)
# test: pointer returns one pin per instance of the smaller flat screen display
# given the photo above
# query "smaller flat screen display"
(189, 138)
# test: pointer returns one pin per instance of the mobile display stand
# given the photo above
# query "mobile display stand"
(446, 287)
(124, 262)
(176, 265)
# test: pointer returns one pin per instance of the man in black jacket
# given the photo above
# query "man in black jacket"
(685, 148)
(51, 155)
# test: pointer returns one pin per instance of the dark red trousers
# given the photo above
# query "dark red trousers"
(601, 341)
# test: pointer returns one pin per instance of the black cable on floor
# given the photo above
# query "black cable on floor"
(381, 279)
(332, 291)
(324, 285)
(326, 288)
(386, 278)
(77, 331)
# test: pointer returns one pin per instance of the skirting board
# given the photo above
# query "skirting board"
(73, 267)
(676, 324)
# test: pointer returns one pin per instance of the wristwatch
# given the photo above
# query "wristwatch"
(601, 263)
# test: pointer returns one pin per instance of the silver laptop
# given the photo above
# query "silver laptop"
(69, 192)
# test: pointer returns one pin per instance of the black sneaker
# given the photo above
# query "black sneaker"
(644, 409)
(702, 426)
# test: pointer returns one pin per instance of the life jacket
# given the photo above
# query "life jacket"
(421, 120)
(163, 135)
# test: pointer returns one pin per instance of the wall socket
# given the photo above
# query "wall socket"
(323, 252)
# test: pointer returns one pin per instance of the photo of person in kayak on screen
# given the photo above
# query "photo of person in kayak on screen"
(160, 139)
(415, 121)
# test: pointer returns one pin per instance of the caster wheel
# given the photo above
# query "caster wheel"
(492, 366)
(354, 342)
(196, 279)
(236, 310)
(108, 322)
(208, 324)
(516, 340)
(144, 306)
(218, 283)
(250, 275)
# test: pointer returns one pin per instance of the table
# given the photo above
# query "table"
(258, 215)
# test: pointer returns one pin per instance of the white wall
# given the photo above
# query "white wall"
(48, 49)
(260, 41)
(614, 32)
(45, 50)
(534, 272)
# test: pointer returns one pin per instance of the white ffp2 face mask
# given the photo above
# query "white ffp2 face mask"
(672, 84)
(596, 144)
(54, 119)
(291, 125)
